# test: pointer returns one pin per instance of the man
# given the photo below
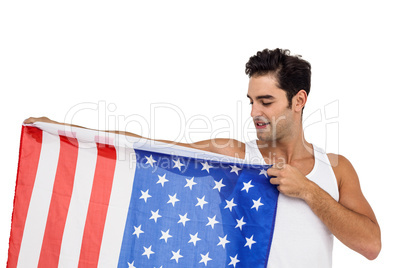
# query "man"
(320, 193)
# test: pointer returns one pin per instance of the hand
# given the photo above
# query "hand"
(290, 181)
(32, 120)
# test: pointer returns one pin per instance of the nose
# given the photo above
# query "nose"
(255, 111)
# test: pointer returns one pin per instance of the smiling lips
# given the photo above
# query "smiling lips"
(260, 124)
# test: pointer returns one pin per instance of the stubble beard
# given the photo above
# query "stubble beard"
(268, 137)
(276, 131)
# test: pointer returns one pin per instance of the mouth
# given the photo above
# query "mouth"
(260, 125)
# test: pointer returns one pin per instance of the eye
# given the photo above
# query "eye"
(251, 103)
(266, 103)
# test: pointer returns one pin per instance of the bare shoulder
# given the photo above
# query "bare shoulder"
(343, 169)
(229, 147)
(346, 175)
(338, 161)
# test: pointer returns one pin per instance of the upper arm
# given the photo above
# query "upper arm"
(350, 193)
(229, 147)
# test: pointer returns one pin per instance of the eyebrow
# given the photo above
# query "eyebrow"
(263, 97)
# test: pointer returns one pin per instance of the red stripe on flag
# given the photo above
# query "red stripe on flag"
(60, 202)
(30, 147)
(98, 206)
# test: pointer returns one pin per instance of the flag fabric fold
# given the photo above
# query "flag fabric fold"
(86, 198)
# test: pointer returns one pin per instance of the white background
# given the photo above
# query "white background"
(109, 64)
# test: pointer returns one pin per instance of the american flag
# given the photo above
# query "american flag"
(86, 200)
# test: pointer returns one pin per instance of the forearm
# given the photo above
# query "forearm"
(355, 230)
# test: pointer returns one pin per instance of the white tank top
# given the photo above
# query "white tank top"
(300, 239)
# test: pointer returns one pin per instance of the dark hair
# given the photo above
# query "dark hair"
(291, 72)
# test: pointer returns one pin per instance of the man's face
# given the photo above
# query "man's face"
(273, 119)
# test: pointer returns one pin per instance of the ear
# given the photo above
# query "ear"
(299, 100)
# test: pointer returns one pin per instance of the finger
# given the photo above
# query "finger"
(273, 171)
(274, 181)
(32, 120)
(279, 188)
(29, 120)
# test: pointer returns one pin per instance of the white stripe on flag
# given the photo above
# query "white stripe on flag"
(40, 200)
(118, 208)
(75, 222)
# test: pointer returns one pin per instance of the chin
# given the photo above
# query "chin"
(264, 137)
(267, 137)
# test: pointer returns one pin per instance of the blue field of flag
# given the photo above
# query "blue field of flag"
(188, 212)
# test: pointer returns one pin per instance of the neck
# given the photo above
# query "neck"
(286, 150)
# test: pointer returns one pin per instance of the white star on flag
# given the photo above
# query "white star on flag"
(194, 239)
(263, 172)
(177, 164)
(131, 265)
(201, 202)
(176, 256)
(240, 223)
(230, 204)
(150, 160)
(247, 186)
(233, 260)
(165, 235)
(219, 185)
(206, 166)
(205, 258)
(257, 204)
(173, 199)
(162, 180)
(145, 195)
(138, 231)
(155, 215)
(235, 169)
(190, 183)
(183, 219)
(223, 241)
(250, 241)
(148, 251)
(212, 221)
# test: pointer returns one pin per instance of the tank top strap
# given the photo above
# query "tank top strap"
(253, 154)
(323, 174)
